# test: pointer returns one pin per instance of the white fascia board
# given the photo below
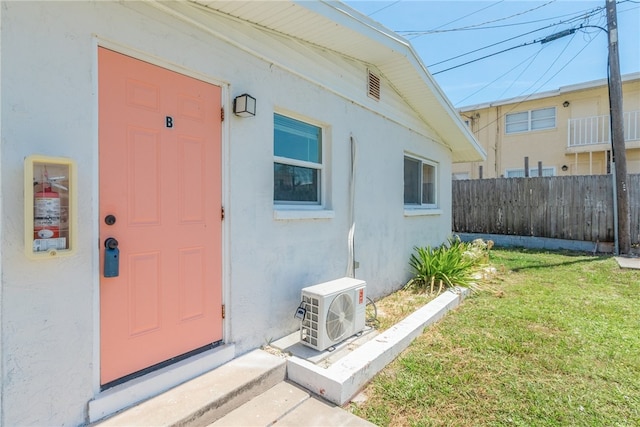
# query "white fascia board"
(347, 17)
(358, 37)
(451, 129)
(548, 94)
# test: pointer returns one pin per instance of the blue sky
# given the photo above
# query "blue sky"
(508, 24)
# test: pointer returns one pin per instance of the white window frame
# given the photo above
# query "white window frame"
(291, 209)
(533, 172)
(424, 207)
(530, 121)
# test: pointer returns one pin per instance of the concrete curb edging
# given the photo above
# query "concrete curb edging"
(343, 379)
(544, 243)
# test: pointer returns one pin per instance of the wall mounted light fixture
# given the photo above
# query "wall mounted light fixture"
(565, 104)
(244, 105)
(565, 168)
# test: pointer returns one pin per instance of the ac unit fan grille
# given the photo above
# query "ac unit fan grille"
(310, 321)
(340, 316)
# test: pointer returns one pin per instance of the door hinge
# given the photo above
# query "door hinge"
(222, 212)
(222, 114)
(223, 311)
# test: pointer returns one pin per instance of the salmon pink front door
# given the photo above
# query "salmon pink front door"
(160, 200)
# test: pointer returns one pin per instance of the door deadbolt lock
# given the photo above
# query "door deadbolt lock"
(110, 219)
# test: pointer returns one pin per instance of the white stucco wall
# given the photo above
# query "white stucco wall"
(50, 319)
(1, 222)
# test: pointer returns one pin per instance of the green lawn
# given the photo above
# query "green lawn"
(554, 340)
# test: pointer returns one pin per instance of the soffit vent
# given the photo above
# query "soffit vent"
(373, 85)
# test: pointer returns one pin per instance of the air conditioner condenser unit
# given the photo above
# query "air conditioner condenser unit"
(334, 311)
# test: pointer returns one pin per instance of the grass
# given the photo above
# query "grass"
(395, 307)
(553, 341)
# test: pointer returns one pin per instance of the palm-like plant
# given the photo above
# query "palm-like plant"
(446, 266)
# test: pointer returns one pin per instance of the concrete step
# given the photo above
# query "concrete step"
(288, 405)
(201, 401)
(225, 395)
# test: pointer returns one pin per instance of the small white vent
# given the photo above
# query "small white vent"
(373, 86)
(310, 321)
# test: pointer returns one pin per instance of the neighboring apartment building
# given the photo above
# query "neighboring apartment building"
(562, 132)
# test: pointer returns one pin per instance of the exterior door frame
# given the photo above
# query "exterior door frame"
(95, 207)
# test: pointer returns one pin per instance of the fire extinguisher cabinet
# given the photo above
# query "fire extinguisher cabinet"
(50, 206)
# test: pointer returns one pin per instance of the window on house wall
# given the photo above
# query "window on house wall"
(526, 121)
(297, 167)
(519, 173)
(420, 182)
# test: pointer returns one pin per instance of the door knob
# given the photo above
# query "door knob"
(111, 258)
(111, 243)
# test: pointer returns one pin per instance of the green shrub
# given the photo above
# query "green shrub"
(447, 266)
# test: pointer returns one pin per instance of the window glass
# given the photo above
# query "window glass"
(516, 173)
(296, 140)
(428, 184)
(460, 175)
(420, 182)
(295, 184)
(297, 148)
(517, 122)
(543, 119)
(411, 181)
(533, 172)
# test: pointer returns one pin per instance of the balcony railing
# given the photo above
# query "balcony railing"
(597, 130)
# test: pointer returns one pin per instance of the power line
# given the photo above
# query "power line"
(486, 56)
(580, 15)
(462, 17)
(474, 26)
(517, 78)
(556, 60)
(532, 58)
(542, 40)
(500, 42)
(575, 16)
(532, 93)
(383, 8)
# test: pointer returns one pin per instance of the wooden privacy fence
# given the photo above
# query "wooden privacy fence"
(561, 207)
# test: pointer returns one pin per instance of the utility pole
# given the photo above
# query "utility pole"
(618, 148)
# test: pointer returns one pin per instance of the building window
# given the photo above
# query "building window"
(420, 182)
(519, 173)
(297, 168)
(525, 121)
(458, 176)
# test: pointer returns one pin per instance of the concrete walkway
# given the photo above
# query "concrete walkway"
(289, 405)
(250, 390)
(627, 262)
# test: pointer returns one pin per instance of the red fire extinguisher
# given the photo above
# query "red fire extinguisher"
(46, 207)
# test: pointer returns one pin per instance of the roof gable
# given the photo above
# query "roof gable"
(336, 27)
